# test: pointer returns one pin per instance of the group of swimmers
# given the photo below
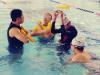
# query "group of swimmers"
(46, 30)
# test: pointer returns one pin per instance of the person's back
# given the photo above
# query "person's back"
(81, 57)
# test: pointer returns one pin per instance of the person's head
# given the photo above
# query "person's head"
(67, 23)
(17, 16)
(47, 18)
(78, 44)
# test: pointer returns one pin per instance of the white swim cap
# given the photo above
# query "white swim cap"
(79, 41)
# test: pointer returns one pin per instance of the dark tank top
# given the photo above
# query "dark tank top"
(14, 43)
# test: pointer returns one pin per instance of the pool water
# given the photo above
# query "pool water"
(42, 59)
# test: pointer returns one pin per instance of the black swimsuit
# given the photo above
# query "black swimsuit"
(15, 46)
(66, 36)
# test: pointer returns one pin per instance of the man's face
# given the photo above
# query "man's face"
(20, 20)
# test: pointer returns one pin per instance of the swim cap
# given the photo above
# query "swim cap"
(79, 41)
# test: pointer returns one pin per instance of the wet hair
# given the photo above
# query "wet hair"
(15, 13)
(80, 48)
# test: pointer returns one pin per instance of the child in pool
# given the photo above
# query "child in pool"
(80, 55)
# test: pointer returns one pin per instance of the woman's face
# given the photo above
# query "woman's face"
(65, 21)
(67, 25)
(47, 17)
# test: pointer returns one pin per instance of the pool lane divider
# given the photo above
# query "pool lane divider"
(81, 9)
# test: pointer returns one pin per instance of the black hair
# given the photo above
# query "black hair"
(15, 13)
(80, 48)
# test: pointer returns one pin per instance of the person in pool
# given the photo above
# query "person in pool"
(80, 55)
(43, 29)
(16, 39)
(67, 30)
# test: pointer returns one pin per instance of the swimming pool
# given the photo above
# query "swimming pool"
(42, 59)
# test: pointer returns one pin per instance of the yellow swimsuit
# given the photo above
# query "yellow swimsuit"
(36, 28)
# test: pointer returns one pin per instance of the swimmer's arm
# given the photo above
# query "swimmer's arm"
(53, 30)
(36, 33)
(15, 32)
(62, 18)
(72, 59)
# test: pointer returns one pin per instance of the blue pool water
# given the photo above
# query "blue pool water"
(42, 59)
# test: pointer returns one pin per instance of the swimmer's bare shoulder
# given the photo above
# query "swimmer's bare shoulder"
(78, 58)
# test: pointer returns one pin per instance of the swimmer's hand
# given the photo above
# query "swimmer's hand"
(55, 15)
